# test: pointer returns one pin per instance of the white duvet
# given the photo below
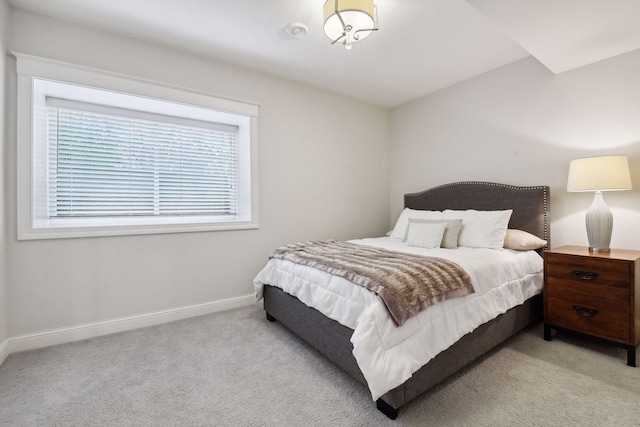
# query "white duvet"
(386, 354)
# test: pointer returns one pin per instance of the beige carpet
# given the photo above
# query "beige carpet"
(237, 369)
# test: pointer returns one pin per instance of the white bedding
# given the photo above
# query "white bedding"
(386, 354)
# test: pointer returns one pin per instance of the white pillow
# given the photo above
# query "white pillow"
(451, 231)
(400, 229)
(481, 229)
(424, 234)
(522, 241)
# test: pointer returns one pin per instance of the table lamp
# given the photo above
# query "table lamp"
(606, 173)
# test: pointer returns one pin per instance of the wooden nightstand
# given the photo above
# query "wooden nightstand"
(594, 294)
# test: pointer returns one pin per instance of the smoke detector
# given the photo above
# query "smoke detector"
(296, 30)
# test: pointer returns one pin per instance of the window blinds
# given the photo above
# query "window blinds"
(106, 161)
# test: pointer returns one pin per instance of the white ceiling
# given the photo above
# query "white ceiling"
(567, 34)
(422, 45)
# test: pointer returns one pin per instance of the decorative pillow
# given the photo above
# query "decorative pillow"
(481, 229)
(522, 241)
(451, 230)
(425, 235)
(400, 229)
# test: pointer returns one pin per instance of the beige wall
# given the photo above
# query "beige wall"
(323, 166)
(4, 302)
(521, 124)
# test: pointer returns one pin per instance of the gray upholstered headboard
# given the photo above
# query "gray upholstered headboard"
(530, 204)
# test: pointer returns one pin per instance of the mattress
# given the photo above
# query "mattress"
(386, 354)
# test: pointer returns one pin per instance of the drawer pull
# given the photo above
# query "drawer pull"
(584, 275)
(585, 312)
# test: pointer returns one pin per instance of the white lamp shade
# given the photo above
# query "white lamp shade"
(606, 173)
(359, 14)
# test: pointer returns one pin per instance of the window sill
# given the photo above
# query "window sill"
(187, 225)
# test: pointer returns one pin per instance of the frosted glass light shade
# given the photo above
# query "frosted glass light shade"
(606, 173)
(356, 14)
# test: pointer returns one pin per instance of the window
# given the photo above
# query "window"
(100, 154)
(113, 162)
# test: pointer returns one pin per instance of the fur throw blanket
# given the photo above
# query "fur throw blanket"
(406, 283)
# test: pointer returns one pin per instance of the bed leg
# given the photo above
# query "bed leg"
(270, 318)
(386, 409)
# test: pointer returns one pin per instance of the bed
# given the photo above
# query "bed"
(530, 213)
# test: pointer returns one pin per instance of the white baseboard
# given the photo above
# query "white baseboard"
(92, 330)
(4, 350)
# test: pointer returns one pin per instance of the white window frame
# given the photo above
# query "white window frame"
(33, 222)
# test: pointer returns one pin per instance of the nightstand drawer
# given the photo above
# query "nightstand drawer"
(589, 314)
(594, 276)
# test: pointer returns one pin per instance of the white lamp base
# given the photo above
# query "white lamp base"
(599, 225)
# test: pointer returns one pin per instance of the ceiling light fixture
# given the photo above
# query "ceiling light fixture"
(348, 21)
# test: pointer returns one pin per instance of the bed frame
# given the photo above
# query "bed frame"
(530, 213)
